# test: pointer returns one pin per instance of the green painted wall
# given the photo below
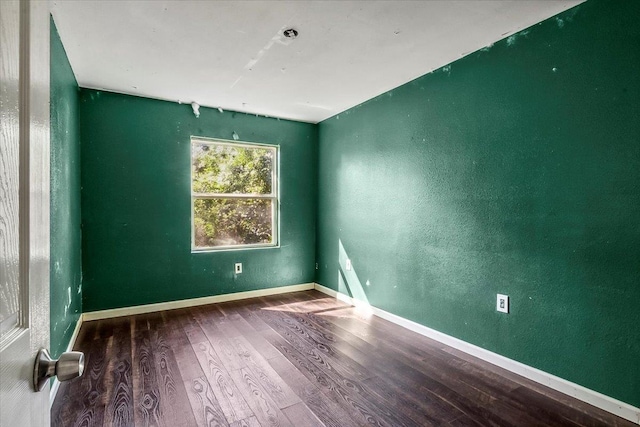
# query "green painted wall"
(136, 212)
(66, 268)
(514, 170)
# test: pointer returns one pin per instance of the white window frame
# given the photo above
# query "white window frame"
(274, 196)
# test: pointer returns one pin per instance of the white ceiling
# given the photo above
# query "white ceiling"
(232, 54)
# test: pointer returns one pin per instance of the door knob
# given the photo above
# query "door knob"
(67, 367)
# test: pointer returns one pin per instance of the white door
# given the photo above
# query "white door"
(24, 208)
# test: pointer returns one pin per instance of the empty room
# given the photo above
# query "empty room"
(320, 213)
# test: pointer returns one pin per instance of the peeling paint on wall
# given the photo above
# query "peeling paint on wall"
(486, 48)
(66, 264)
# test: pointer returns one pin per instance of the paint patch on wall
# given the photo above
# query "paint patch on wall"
(487, 48)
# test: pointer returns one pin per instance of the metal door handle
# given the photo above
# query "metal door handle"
(70, 365)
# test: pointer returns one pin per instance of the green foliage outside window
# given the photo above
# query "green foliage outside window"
(233, 197)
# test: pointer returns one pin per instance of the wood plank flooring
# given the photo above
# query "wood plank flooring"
(299, 359)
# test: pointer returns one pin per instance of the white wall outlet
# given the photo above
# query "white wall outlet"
(502, 304)
(238, 268)
(347, 265)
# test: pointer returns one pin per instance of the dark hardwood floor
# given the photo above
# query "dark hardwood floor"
(300, 359)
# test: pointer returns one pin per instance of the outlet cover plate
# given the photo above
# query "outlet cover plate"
(238, 268)
(502, 303)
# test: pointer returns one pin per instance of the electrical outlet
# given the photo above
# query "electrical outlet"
(238, 268)
(348, 265)
(502, 303)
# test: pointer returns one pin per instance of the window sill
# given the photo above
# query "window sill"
(233, 248)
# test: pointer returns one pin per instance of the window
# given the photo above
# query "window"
(234, 195)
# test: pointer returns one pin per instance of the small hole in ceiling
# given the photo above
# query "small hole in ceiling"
(291, 33)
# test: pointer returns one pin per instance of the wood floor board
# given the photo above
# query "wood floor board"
(220, 341)
(118, 378)
(324, 354)
(249, 422)
(358, 413)
(203, 403)
(399, 377)
(430, 409)
(266, 350)
(175, 403)
(549, 409)
(328, 411)
(233, 404)
(250, 315)
(300, 415)
(300, 359)
(186, 359)
(240, 324)
(352, 394)
(269, 379)
(466, 378)
(189, 323)
(146, 393)
(263, 406)
(398, 401)
(463, 421)
(445, 384)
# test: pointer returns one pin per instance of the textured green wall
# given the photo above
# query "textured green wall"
(66, 268)
(514, 170)
(136, 212)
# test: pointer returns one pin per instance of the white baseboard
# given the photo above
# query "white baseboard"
(592, 397)
(56, 384)
(171, 305)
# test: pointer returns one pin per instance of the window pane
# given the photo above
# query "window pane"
(232, 170)
(224, 222)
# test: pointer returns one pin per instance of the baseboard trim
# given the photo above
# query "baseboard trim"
(56, 384)
(192, 302)
(592, 397)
